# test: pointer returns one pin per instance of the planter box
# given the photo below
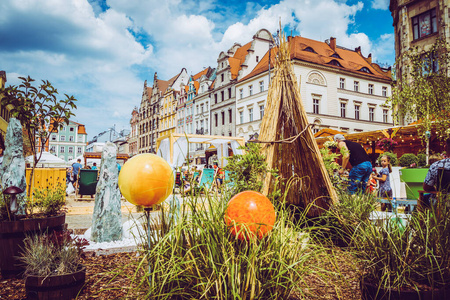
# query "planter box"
(59, 287)
(372, 292)
(413, 178)
(12, 235)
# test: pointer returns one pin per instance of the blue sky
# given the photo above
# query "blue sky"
(101, 51)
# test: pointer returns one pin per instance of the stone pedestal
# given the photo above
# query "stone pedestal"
(12, 170)
(107, 216)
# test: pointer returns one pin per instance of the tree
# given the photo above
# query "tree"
(422, 91)
(40, 113)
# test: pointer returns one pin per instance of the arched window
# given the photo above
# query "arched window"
(309, 49)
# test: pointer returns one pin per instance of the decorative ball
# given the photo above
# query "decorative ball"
(248, 214)
(146, 180)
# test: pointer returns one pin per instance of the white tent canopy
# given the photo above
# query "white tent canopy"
(48, 160)
(174, 147)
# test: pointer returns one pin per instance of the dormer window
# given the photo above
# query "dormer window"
(335, 55)
(335, 63)
(309, 49)
(365, 70)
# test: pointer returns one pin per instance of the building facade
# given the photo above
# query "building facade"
(69, 142)
(236, 63)
(134, 136)
(340, 89)
(4, 112)
(418, 23)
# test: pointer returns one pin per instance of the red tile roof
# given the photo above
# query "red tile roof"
(349, 60)
(238, 59)
(200, 74)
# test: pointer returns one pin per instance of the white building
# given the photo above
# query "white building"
(340, 89)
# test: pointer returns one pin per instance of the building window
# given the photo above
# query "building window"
(71, 129)
(201, 108)
(216, 119)
(250, 90)
(371, 114)
(385, 115)
(53, 137)
(371, 89)
(79, 150)
(230, 116)
(241, 117)
(63, 138)
(384, 91)
(222, 96)
(315, 106)
(261, 111)
(424, 24)
(250, 114)
(343, 109)
(357, 107)
(223, 118)
(261, 86)
(70, 149)
(221, 77)
(229, 93)
(356, 86)
(52, 149)
(215, 98)
(342, 83)
(62, 149)
(71, 138)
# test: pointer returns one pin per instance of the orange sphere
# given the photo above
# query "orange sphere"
(251, 210)
(146, 180)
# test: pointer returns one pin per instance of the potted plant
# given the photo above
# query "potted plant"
(53, 268)
(386, 144)
(406, 260)
(412, 175)
(44, 214)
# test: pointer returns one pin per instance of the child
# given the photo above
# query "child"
(372, 183)
(384, 190)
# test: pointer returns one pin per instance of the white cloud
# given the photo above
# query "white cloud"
(380, 4)
(96, 55)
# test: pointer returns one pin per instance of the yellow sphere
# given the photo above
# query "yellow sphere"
(146, 180)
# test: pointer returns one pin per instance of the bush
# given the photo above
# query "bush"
(422, 159)
(393, 156)
(408, 160)
(48, 201)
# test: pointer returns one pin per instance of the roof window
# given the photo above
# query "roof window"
(335, 55)
(309, 49)
(335, 63)
(365, 70)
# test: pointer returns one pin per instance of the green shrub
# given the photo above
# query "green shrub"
(408, 160)
(393, 156)
(198, 258)
(246, 170)
(422, 159)
(48, 201)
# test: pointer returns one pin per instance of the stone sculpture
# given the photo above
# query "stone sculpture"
(107, 217)
(12, 169)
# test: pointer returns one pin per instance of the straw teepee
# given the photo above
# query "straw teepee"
(288, 141)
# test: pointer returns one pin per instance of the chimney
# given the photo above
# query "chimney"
(358, 50)
(333, 43)
(369, 58)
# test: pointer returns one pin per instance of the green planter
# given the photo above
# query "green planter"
(413, 177)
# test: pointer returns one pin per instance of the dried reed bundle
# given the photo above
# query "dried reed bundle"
(292, 148)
